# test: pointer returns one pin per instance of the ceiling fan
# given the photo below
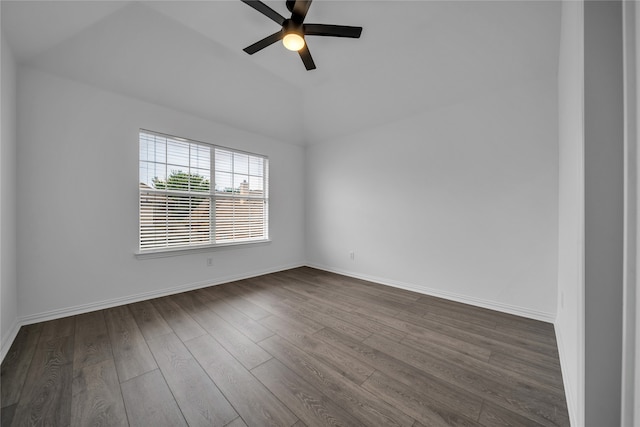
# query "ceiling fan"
(294, 29)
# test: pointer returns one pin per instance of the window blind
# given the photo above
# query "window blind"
(197, 194)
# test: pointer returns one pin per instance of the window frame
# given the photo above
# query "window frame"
(212, 195)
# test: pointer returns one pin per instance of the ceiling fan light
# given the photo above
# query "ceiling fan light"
(293, 41)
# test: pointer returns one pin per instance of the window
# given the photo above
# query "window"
(181, 208)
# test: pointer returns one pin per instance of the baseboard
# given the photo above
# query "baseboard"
(491, 305)
(85, 308)
(572, 401)
(8, 340)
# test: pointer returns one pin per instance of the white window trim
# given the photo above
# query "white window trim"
(169, 252)
(186, 250)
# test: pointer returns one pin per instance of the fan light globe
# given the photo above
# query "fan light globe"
(293, 41)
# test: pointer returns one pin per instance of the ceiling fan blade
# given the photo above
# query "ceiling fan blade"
(265, 10)
(306, 58)
(299, 9)
(331, 30)
(267, 41)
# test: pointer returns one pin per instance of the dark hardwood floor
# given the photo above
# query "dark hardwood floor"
(295, 348)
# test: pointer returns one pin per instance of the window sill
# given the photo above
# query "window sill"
(163, 253)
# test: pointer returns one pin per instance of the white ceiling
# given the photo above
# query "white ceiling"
(413, 55)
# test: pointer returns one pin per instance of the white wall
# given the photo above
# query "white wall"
(8, 266)
(459, 201)
(604, 210)
(569, 323)
(630, 411)
(636, 362)
(78, 200)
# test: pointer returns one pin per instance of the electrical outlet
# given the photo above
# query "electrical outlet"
(209, 262)
(352, 256)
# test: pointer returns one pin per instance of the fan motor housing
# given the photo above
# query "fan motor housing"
(290, 26)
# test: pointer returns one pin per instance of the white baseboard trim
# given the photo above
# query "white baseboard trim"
(114, 302)
(9, 339)
(85, 308)
(491, 305)
(572, 402)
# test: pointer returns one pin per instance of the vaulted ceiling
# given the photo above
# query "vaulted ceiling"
(187, 55)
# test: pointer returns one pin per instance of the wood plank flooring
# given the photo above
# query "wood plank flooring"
(301, 347)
